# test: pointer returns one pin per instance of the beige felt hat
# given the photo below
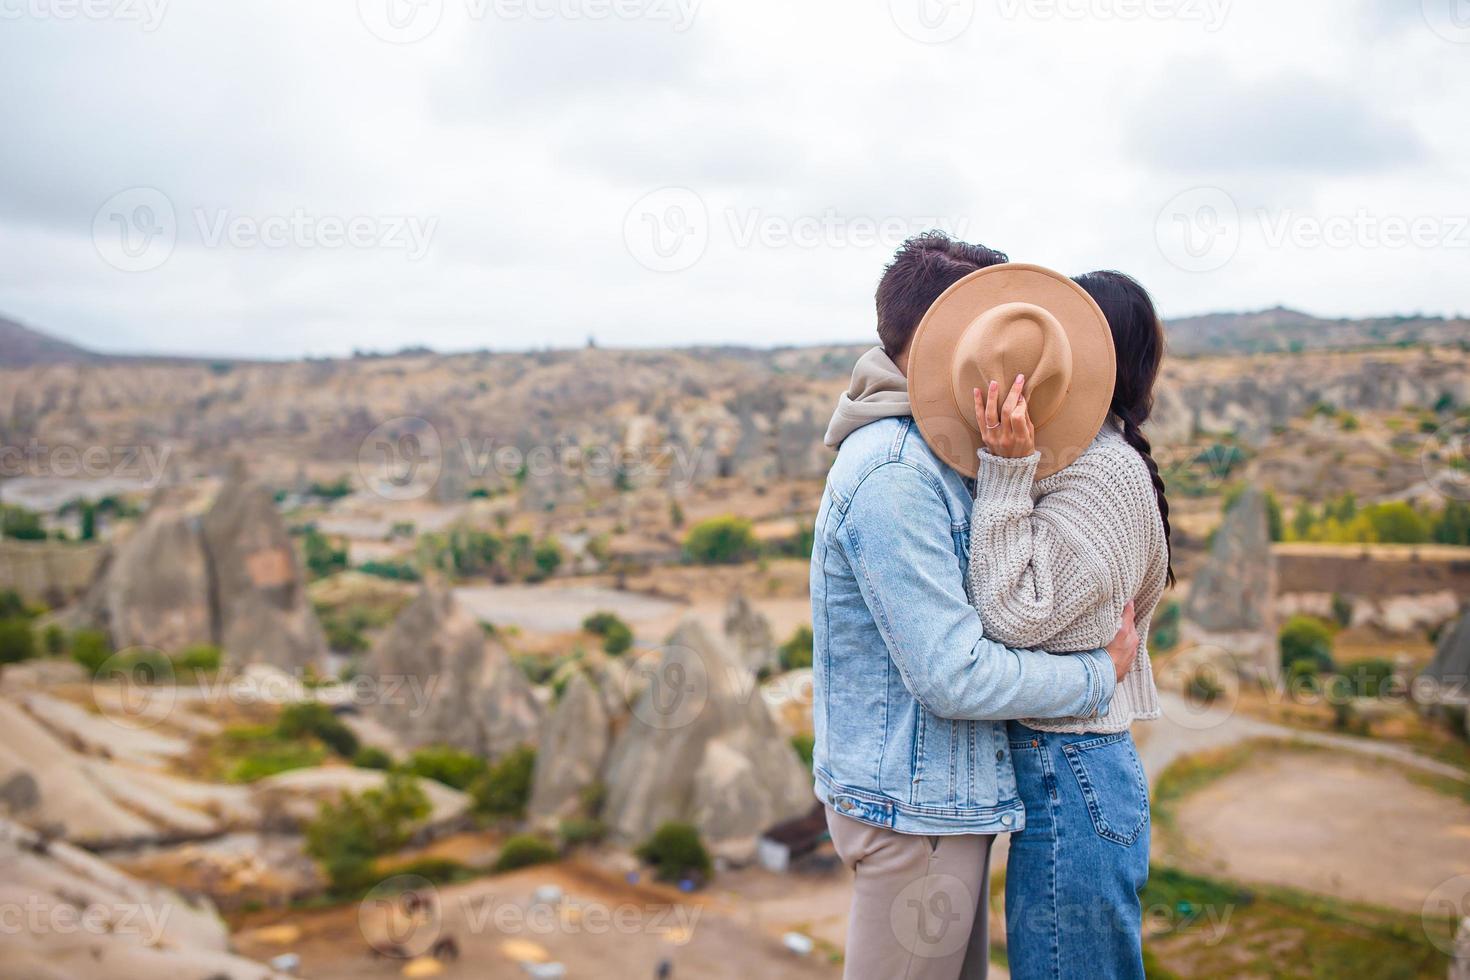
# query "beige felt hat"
(997, 323)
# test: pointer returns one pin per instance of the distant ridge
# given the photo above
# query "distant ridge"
(1281, 329)
(1275, 330)
(21, 346)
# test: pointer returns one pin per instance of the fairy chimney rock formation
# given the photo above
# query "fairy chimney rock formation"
(1231, 603)
(442, 681)
(573, 746)
(700, 735)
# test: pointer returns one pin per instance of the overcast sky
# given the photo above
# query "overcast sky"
(279, 177)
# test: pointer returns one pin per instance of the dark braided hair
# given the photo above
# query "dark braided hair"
(1138, 339)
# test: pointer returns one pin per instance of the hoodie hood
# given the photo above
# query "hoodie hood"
(878, 390)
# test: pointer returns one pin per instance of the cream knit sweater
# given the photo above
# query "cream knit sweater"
(1053, 564)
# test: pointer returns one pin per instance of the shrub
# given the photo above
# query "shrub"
(796, 653)
(436, 870)
(322, 558)
(146, 666)
(273, 756)
(91, 648)
(676, 852)
(1202, 686)
(372, 757)
(575, 831)
(448, 765)
(804, 744)
(17, 641)
(1306, 647)
(524, 850)
(12, 606)
(504, 789)
(547, 558)
(21, 524)
(397, 571)
(349, 835)
(316, 719)
(54, 640)
(1342, 610)
(721, 541)
(200, 659)
(1367, 678)
(1165, 627)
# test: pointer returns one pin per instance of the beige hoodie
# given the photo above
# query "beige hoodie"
(878, 390)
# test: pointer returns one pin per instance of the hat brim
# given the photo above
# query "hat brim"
(949, 428)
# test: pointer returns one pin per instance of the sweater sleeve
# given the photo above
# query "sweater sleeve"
(1049, 572)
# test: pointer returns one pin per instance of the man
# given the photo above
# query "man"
(911, 755)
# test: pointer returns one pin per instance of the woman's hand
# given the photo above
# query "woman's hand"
(1005, 428)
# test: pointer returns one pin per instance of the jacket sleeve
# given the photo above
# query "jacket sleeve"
(899, 539)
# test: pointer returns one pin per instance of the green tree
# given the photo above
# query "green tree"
(523, 851)
(721, 541)
(547, 557)
(20, 524)
(505, 787)
(1306, 646)
(676, 852)
(1394, 523)
(322, 558)
(348, 836)
(316, 719)
(447, 765)
(796, 653)
(91, 648)
(17, 640)
(1303, 522)
(1275, 524)
(617, 636)
(1453, 524)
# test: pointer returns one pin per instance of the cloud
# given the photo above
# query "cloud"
(1204, 119)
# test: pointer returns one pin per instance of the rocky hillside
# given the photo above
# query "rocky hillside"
(21, 346)
(1279, 329)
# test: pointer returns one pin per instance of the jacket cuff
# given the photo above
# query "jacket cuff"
(1000, 478)
(1102, 682)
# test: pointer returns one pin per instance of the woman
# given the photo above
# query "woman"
(1052, 566)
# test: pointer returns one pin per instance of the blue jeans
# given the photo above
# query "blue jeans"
(1074, 874)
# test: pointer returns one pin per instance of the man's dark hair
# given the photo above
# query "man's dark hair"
(925, 266)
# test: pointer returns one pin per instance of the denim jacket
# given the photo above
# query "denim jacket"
(910, 698)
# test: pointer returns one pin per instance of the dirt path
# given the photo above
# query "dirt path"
(1335, 825)
(1184, 730)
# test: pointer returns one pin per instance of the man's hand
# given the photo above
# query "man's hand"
(1124, 647)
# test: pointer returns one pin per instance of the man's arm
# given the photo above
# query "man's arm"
(898, 538)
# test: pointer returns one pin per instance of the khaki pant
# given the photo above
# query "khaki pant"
(919, 904)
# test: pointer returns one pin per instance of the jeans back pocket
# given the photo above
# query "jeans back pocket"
(1113, 784)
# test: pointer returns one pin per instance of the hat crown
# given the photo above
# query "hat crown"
(1012, 339)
